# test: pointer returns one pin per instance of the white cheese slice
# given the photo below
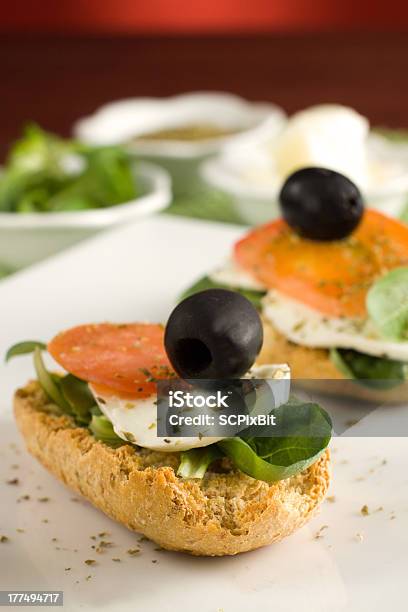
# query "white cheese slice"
(232, 275)
(136, 420)
(308, 327)
(328, 135)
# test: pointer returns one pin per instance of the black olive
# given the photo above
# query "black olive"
(213, 334)
(321, 204)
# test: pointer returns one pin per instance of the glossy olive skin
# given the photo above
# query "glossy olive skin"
(213, 334)
(321, 204)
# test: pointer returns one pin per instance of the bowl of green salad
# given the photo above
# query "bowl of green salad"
(56, 192)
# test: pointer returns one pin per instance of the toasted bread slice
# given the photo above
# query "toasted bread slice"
(225, 513)
(315, 370)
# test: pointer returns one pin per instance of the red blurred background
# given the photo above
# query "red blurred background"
(61, 59)
(188, 16)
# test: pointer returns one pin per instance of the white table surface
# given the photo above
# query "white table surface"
(135, 273)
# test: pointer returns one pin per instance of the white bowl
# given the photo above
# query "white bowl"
(120, 121)
(30, 237)
(245, 172)
(123, 120)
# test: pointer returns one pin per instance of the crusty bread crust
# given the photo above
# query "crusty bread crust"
(222, 514)
(316, 371)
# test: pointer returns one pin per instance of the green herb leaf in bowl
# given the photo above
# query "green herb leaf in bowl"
(45, 173)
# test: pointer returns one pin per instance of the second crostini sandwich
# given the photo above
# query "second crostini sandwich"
(331, 282)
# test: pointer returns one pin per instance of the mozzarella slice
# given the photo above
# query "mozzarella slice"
(308, 327)
(232, 275)
(329, 135)
(136, 420)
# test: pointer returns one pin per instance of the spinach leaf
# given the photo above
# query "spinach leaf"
(107, 180)
(70, 394)
(80, 399)
(387, 304)
(34, 166)
(195, 462)
(45, 173)
(205, 282)
(373, 372)
(306, 430)
(49, 383)
(102, 430)
(24, 348)
(38, 150)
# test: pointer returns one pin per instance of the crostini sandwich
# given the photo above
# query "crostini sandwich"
(331, 282)
(94, 426)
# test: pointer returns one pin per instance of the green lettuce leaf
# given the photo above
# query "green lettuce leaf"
(79, 398)
(71, 395)
(49, 383)
(195, 462)
(107, 180)
(45, 173)
(307, 432)
(102, 430)
(387, 304)
(38, 150)
(373, 372)
(24, 348)
(33, 171)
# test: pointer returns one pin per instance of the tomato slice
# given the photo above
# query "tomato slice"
(126, 359)
(332, 277)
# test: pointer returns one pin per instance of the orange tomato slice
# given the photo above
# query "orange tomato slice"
(332, 277)
(126, 359)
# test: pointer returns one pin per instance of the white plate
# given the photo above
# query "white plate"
(136, 272)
